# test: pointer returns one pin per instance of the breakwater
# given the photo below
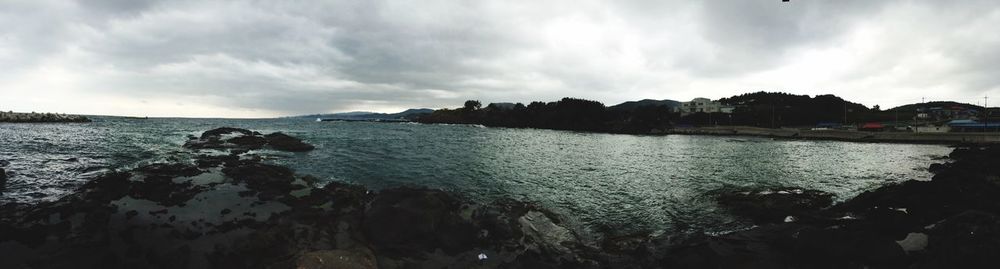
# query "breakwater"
(33, 117)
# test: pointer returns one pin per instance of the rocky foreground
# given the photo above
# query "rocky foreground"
(227, 209)
(39, 117)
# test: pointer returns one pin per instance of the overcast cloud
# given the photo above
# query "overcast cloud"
(275, 58)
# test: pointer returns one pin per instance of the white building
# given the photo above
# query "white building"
(703, 105)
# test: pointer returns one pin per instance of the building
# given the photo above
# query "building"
(703, 105)
(973, 126)
(872, 127)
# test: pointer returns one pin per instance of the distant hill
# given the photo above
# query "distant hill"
(942, 104)
(362, 115)
(773, 109)
(632, 105)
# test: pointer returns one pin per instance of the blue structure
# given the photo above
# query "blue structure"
(973, 126)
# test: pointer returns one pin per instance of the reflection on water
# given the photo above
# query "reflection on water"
(603, 182)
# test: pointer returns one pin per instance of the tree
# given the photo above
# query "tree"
(472, 105)
(876, 108)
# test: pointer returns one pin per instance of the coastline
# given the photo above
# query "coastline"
(842, 135)
(228, 209)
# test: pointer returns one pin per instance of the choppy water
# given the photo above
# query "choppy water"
(603, 182)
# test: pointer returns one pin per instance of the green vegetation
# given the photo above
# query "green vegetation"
(566, 114)
(759, 109)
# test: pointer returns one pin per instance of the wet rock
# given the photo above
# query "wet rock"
(248, 142)
(158, 212)
(163, 190)
(764, 247)
(207, 161)
(239, 141)
(773, 206)
(169, 170)
(3, 178)
(630, 244)
(937, 167)
(846, 248)
(416, 220)
(107, 187)
(283, 142)
(219, 132)
(552, 237)
(262, 177)
(968, 240)
(913, 242)
(337, 259)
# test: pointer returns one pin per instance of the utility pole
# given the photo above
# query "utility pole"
(845, 112)
(986, 114)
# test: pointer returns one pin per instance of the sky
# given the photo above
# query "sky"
(276, 58)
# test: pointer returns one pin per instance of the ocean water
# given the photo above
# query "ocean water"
(602, 183)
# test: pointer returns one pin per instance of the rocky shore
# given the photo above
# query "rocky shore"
(39, 117)
(950, 221)
(228, 209)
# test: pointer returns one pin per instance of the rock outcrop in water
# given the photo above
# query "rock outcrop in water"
(771, 206)
(242, 139)
(227, 209)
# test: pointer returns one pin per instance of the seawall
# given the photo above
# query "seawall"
(16, 117)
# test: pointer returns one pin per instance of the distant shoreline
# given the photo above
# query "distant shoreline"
(843, 135)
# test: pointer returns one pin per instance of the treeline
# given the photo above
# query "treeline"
(566, 114)
(761, 109)
(770, 109)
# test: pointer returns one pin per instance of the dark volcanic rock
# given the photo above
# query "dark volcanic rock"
(239, 141)
(249, 142)
(169, 170)
(967, 240)
(410, 220)
(262, 177)
(3, 178)
(770, 206)
(337, 259)
(219, 132)
(108, 187)
(280, 141)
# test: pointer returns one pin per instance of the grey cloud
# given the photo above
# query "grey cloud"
(294, 57)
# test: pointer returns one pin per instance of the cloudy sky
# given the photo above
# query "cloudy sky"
(275, 58)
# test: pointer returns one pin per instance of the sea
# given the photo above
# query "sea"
(608, 184)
